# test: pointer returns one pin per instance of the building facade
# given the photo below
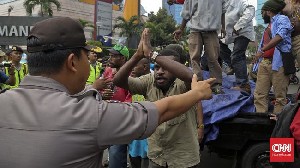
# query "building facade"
(173, 10)
(69, 8)
(259, 19)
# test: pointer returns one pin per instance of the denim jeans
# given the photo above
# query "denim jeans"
(238, 59)
(225, 53)
(118, 156)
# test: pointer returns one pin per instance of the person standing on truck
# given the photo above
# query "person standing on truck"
(276, 39)
(206, 18)
(292, 10)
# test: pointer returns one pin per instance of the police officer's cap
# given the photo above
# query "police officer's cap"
(16, 48)
(57, 34)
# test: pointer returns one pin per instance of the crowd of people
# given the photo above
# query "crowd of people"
(71, 106)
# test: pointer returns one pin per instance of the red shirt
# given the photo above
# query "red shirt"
(120, 94)
(267, 38)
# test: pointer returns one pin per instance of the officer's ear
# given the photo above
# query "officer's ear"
(72, 62)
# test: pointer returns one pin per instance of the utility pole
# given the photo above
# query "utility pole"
(139, 9)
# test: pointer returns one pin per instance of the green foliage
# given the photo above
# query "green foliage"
(162, 27)
(259, 30)
(128, 28)
(46, 6)
(251, 49)
(94, 43)
(86, 23)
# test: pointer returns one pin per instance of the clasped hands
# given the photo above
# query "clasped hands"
(144, 48)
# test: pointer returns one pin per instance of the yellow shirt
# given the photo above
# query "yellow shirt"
(19, 75)
(94, 73)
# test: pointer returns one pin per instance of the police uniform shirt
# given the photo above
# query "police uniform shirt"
(41, 125)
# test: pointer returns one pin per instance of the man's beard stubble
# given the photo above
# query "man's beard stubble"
(266, 19)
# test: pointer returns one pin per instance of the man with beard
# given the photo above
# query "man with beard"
(118, 55)
(174, 143)
(292, 10)
(276, 39)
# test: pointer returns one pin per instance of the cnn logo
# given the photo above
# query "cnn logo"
(282, 150)
(282, 147)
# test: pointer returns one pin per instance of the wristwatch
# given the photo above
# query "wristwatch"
(200, 126)
(154, 55)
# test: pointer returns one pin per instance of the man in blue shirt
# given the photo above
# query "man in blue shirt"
(271, 71)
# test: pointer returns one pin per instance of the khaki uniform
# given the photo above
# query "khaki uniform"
(296, 48)
(42, 126)
(174, 142)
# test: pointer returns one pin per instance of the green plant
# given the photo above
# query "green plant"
(46, 6)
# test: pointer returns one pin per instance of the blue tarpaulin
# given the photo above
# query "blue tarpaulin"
(223, 106)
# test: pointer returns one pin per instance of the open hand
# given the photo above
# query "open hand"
(11, 69)
(203, 87)
(140, 51)
(177, 34)
(101, 83)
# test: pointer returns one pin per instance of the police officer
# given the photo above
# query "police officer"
(95, 66)
(4, 79)
(52, 120)
(15, 54)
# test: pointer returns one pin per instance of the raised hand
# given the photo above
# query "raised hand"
(203, 87)
(140, 51)
(11, 69)
(147, 48)
(177, 34)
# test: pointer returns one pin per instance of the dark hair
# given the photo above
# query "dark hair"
(169, 52)
(179, 49)
(47, 62)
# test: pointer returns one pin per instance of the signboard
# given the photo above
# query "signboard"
(103, 20)
(15, 29)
